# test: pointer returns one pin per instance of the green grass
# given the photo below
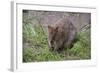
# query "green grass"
(35, 46)
(82, 48)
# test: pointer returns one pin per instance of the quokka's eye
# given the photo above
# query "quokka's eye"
(51, 41)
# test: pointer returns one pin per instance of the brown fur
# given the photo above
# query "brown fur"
(61, 35)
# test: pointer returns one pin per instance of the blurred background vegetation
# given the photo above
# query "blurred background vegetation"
(35, 44)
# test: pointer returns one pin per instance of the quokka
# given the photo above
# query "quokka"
(61, 35)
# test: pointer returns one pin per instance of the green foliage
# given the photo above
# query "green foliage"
(35, 46)
(82, 48)
(28, 32)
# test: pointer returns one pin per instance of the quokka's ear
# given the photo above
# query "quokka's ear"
(56, 28)
(50, 28)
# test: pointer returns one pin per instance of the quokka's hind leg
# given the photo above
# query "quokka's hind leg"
(72, 42)
(68, 46)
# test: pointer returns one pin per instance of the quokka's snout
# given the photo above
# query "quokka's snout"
(61, 35)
